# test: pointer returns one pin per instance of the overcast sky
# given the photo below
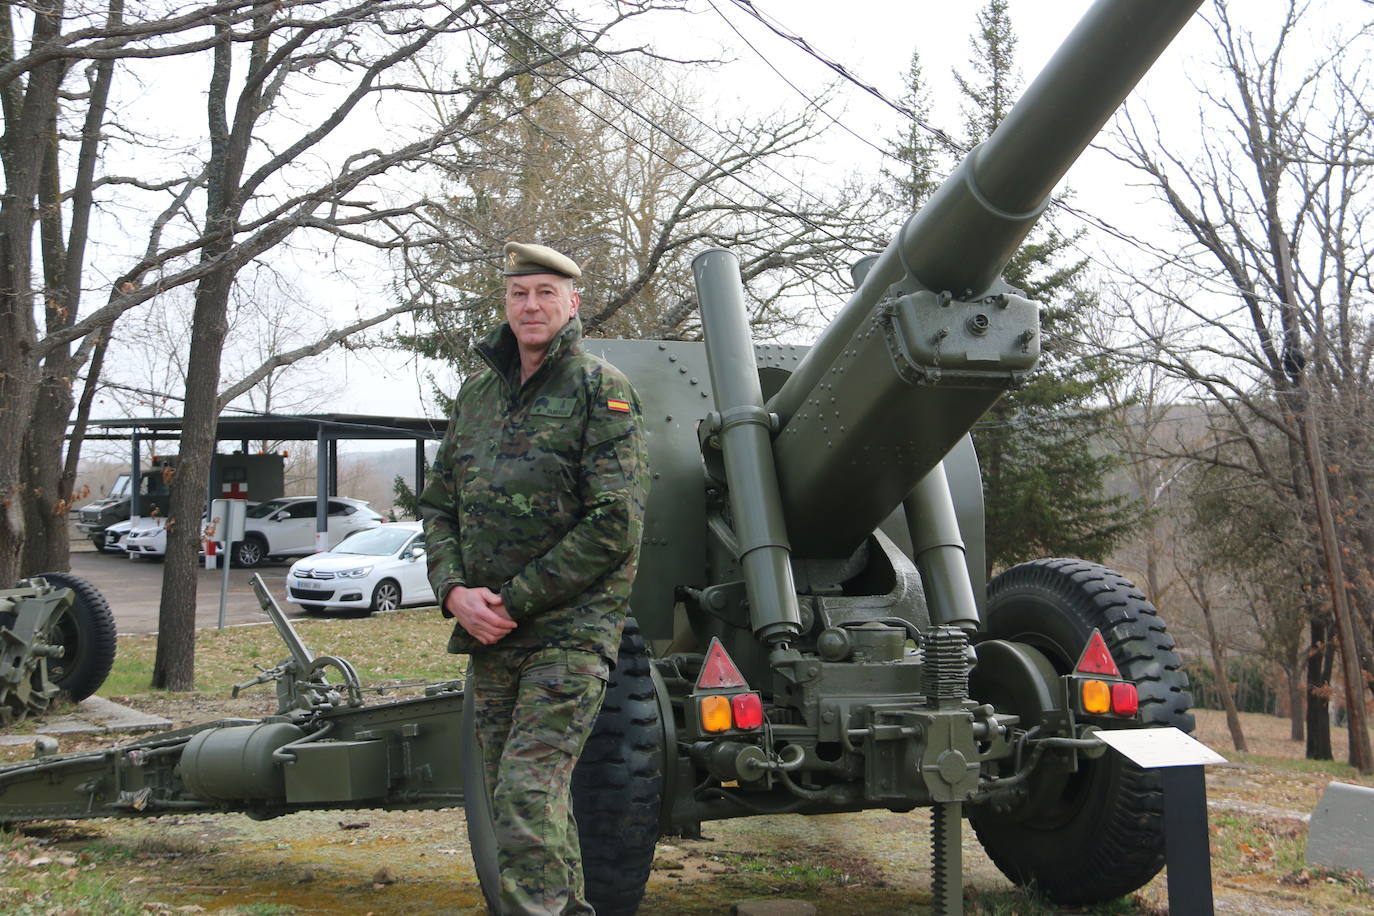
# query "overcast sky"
(873, 39)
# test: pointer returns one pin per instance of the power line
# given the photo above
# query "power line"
(612, 96)
(731, 142)
(778, 28)
(812, 102)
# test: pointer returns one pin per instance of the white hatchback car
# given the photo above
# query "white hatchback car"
(380, 569)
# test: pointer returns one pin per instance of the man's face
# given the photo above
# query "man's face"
(538, 306)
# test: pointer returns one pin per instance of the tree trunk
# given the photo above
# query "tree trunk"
(1228, 700)
(49, 475)
(1296, 732)
(174, 664)
(1361, 755)
(28, 121)
(46, 544)
(1319, 658)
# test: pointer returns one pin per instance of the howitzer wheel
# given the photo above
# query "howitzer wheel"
(617, 790)
(618, 784)
(1096, 834)
(86, 633)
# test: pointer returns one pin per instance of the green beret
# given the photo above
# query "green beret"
(538, 259)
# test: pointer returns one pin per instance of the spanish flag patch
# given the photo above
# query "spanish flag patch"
(622, 406)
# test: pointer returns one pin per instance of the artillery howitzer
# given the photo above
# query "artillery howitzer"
(811, 631)
(57, 637)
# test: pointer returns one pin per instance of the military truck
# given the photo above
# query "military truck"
(237, 476)
(154, 492)
(811, 630)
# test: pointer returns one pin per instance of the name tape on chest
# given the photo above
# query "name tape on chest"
(619, 406)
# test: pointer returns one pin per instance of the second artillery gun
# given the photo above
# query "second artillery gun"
(812, 632)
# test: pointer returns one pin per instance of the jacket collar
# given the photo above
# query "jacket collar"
(500, 350)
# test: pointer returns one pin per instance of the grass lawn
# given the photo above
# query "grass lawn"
(404, 646)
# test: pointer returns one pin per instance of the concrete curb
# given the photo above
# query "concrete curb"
(92, 716)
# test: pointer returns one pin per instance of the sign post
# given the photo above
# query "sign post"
(228, 517)
(1187, 856)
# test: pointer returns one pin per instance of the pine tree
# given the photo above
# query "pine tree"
(1043, 475)
(918, 156)
(994, 81)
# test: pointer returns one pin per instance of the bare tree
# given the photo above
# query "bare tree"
(286, 76)
(363, 48)
(267, 318)
(625, 172)
(1273, 210)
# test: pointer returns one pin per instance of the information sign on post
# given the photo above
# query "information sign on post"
(1180, 758)
(227, 518)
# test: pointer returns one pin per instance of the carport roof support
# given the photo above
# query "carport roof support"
(324, 428)
(296, 427)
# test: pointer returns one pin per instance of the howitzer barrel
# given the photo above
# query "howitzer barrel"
(929, 340)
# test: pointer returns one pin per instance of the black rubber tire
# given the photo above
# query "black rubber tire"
(250, 552)
(86, 633)
(380, 596)
(99, 541)
(477, 806)
(617, 790)
(1101, 835)
(618, 784)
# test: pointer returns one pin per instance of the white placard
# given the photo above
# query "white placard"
(1159, 747)
(228, 516)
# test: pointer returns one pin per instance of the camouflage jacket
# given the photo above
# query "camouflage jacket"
(538, 492)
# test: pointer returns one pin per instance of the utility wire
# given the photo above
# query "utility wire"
(813, 103)
(614, 97)
(844, 73)
(731, 142)
(791, 37)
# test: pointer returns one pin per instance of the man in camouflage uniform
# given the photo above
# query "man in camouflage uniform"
(533, 514)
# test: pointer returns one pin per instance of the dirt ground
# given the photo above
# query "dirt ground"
(380, 862)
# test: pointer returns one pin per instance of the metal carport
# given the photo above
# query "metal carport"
(326, 429)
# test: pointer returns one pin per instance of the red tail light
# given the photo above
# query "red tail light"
(1125, 699)
(748, 710)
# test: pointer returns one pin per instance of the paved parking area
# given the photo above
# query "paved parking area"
(134, 590)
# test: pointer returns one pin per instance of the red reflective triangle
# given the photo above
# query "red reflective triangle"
(719, 669)
(1096, 659)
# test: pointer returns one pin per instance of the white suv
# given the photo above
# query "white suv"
(285, 527)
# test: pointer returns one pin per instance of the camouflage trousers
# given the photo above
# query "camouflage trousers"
(535, 708)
